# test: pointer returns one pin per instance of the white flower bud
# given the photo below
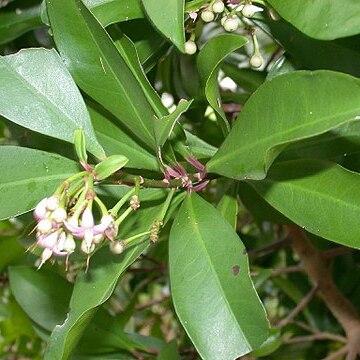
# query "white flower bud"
(44, 226)
(248, 10)
(98, 239)
(45, 256)
(69, 245)
(256, 61)
(231, 24)
(59, 215)
(40, 210)
(49, 241)
(207, 16)
(86, 248)
(218, 7)
(52, 203)
(117, 247)
(190, 47)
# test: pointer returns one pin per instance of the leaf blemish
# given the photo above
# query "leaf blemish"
(235, 270)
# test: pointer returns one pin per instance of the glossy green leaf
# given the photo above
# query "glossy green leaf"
(307, 53)
(44, 97)
(228, 206)
(208, 63)
(315, 194)
(299, 105)
(29, 175)
(164, 126)
(321, 19)
(115, 139)
(94, 288)
(47, 294)
(333, 145)
(129, 53)
(212, 292)
(168, 18)
(113, 11)
(98, 68)
(109, 166)
(15, 23)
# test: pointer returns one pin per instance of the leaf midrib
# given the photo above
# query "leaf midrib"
(104, 58)
(266, 139)
(211, 267)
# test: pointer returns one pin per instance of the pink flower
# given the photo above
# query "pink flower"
(40, 210)
(88, 229)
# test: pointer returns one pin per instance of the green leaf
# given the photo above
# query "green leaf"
(299, 105)
(28, 176)
(308, 53)
(211, 288)
(98, 68)
(112, 11)
(109, 166)
(80, 145)
(168, 18)
(94, 288)
(117, 140)
(208, 63)
(15, 23)
(315, 194)
(129, 53)
(165, 125)
(321, 19)
(37, 92)
(228, 206)
(47, 294)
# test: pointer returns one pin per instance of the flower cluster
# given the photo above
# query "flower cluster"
(229, 19)
(68, 216)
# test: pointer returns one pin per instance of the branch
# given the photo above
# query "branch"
(318, 268)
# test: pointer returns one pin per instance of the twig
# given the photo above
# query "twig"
(314, 337)
(288, 269)
(299, 307)
(269, 248)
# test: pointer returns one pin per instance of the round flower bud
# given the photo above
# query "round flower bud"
(117, 247)
(218, 7)
(69, 244)
(248, 10)
(52, 203)
(231, 24)
(190, 47)
(207, 16)
(59, 215)
(40, 210)
(256, 61)
(97, 239)
(87, 249)
(44, 226)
